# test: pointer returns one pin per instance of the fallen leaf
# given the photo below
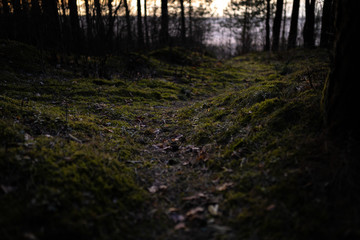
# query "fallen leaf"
(193, 197)
(194, 211)
(180, 226)
(177, 217)
(214, 209)
(221, 229)
(153, 189)
(7, 189)
(172, 209)
(224, 186)
(271, 207)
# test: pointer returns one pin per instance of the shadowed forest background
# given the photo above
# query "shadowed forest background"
(170, 119)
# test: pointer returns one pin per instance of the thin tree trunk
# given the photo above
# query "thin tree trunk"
(99, 21)
(294, 24)
(5, 7)
(88, 21)
(190, 20)
(75, 27)
(51, 22)
(183, 28)
(283, 41)
(309, 27)
(147, 38)
(267, 26)
(128, 23)
(164, 31)
(277, 25)
(244, 33)
(139, 26)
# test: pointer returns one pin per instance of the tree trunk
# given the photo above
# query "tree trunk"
(75, 27)
(283, 41)
(341, 95)
(183, 28)
(164, 31)
(294, 24)
(139, 26)
(5, 7)
(51, 23)
(99, 21)
(327, 28)
(267, 26)
(147, 38)
(88, 22)
(309, 27)
(190, 20)
(128, 23)
(277, 25)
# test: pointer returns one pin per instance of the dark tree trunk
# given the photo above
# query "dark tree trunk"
(52, 38)
(128, 23)
(327, 26)
(277, 25)
(139, 26)
(16, 28)
(35, 13)
(147, 38)
(75, 27)
(341, 94)
(309, 27)
(164, 31)
(99, 21)
(88, 22)
(183, 28)
(5, 7)
(283, 41)
(190, 20)
(267, 26)
(294, 24)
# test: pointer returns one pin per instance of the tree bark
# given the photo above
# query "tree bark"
(147, 38)
(128, 23)
(75, 27)
(294, 24)
(327, 26)
(164, 31)
(267, 27)
(341, 96)
(5, 7)
(183, 28)
(51, 22)
(139, 26)
(190, 20)
(277, 25)
(99, 21)
(309, 27)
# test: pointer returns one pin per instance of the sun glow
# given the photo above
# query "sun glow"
(219, 6)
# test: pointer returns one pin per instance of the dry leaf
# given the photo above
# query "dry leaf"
(180, 226)
(193, 197)
(271, 207)
(214, 209)
(153, 189)
(194, 211)
(224, 186)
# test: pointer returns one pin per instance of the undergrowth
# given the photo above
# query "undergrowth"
(71, 138)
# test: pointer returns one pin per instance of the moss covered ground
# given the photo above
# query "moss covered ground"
(170, 144)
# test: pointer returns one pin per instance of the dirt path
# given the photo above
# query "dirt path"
(186, 195)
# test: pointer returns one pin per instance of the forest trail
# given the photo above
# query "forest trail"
(174, 145)
(183, 188)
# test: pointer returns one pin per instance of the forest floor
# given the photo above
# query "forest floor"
(168, 145)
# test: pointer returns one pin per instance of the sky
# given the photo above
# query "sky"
(220, 5)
